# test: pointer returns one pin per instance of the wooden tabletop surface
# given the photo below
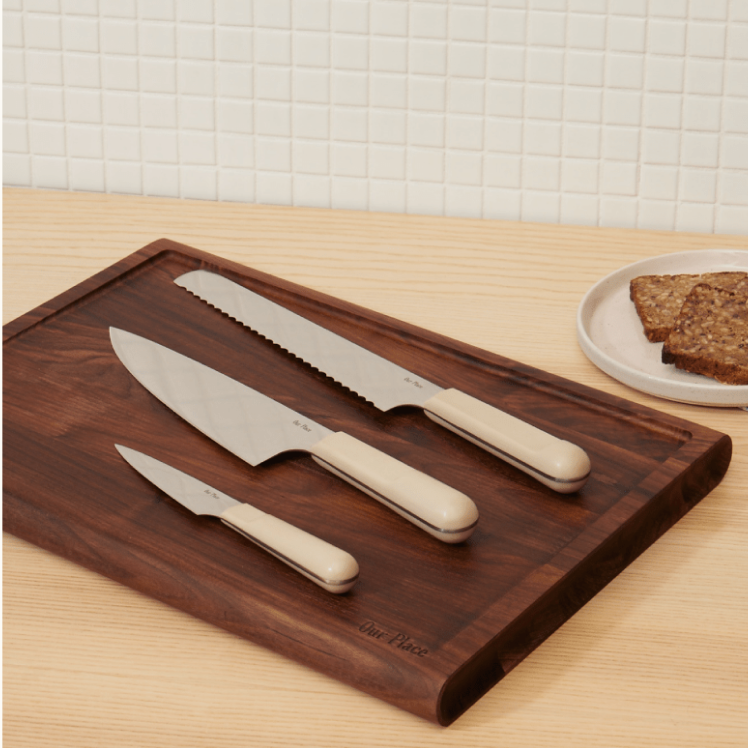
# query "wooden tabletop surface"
(658, 658)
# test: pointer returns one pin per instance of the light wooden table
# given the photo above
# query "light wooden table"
(659, 658)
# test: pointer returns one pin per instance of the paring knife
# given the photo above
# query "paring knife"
(326, 565)
(255, 427)
(556, 463)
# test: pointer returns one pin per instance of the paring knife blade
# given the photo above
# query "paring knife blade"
(255, 427)
(556, 463)
(331, 568)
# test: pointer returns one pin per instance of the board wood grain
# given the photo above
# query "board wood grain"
(428, 628)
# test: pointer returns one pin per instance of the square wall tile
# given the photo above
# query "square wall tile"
(540, 207)
(427, 57)
(465, 133)
(350, 16)
(388, 91)
(198, 183)
(49, 172)
(547, 29)
(271, 47)
(236, 152)
(310, 121)
(44, 68)
(540, 173)
(387, 196)
(86, 175)
(659, 182)
(507, 26)
(580, 175)
(467, 24)
(389, 18)
(388, 55)
(311, 157)
(588, 32)
(273, 14)
(80, 34)
(351, 89)
(386, 162)
(544, 102)
(502, 171)
(311, 49)
(17, 170)
(467, 60)
(42, 31)
(700, 185)
(312, 191)
(545, 65)
(506, 63)
(585, 68)
(233, 13)
(581, 141)
(426, 130)
(310, 15)
(350, 124)
(273, 154)
(14, 101)
(272, 119)
(349, 160)
(427, 93)
(350, 194)
(161, 146)
(273, 188)
(426, 165)
(427, 21)
(466, 96)
(120, 108)
(666, 37)
(15, 136)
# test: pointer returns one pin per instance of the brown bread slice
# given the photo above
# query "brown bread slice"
(659, 298)
(710, 335)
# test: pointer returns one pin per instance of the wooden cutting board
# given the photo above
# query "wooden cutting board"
(429, 627)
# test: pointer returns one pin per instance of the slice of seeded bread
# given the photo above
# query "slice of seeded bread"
(710, 335)
(659, 298)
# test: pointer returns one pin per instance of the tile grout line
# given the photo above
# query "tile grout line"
(720, 170)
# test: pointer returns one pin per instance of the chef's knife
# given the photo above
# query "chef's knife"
(326, 565)
(557, 463)
(255, 427)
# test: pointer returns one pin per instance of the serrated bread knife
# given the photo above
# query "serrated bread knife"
(557, 463)
(326, 565)
(255, 427)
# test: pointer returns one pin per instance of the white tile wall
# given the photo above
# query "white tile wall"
(600, 112)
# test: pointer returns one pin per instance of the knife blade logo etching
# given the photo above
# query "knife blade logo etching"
(555, 462)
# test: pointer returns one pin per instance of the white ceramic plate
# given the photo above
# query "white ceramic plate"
(612, 337)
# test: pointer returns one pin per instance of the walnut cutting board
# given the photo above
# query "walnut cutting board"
(429, 627)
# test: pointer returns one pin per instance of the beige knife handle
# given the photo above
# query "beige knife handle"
(326, 565)
(428, 503)
(558, 464)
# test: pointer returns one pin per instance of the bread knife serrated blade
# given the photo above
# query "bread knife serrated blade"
(326, 565)
(557, 463)
(255, 427)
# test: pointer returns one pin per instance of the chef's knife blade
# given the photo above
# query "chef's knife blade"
(326, 565)
(255, 427)
(556, 463)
